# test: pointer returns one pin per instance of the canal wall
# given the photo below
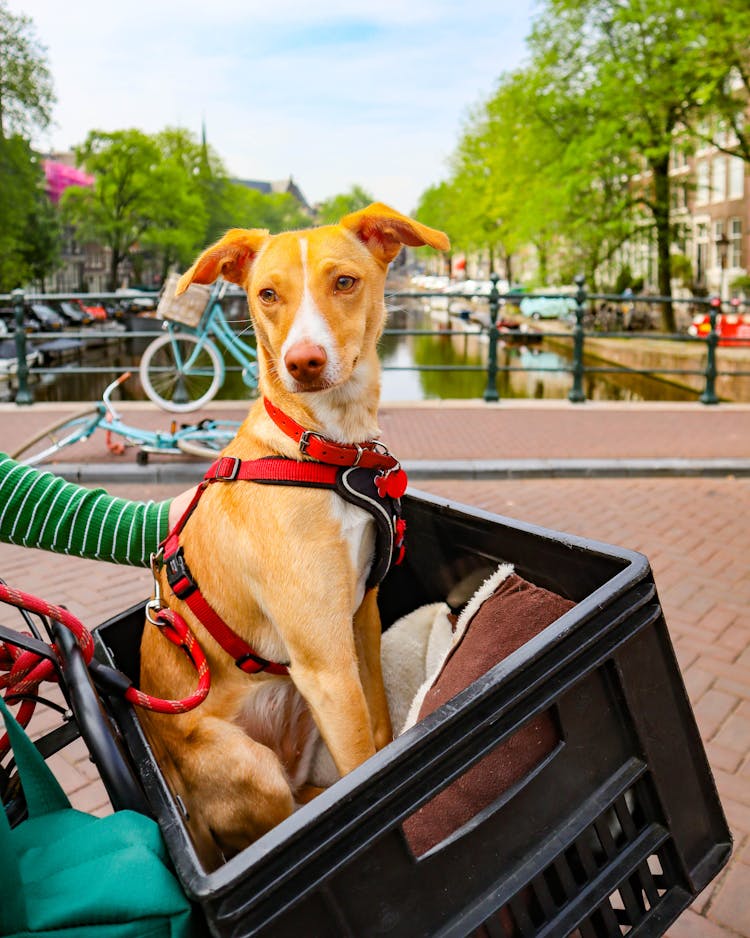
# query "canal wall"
(662, 356)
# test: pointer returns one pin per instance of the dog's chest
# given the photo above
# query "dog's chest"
(358, 532)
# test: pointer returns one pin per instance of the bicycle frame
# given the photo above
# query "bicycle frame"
(106, 417)
(214, 325)
(153, 441)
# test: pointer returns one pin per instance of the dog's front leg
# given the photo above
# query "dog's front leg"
(333, 691)
(367, 633)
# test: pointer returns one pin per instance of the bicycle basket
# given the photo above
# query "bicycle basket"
(186, 309)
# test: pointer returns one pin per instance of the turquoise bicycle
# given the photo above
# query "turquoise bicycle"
(207, 438)
(184, 367)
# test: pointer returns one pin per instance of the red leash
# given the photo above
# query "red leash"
(26, 670)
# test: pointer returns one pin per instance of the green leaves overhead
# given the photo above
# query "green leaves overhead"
(26, 95)
(28, 234)
(572, 153)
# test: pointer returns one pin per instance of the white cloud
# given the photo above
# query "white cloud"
(333, 93)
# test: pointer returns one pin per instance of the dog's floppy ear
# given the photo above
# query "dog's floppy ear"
(384, 230)
(230, 258)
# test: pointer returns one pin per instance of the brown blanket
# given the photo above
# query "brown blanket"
(513, 614)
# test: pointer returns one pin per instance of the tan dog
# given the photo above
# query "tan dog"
(285, 567)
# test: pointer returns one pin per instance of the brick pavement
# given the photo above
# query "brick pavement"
(694, 532)
(451, 430)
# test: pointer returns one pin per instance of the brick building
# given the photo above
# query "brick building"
(710, 195)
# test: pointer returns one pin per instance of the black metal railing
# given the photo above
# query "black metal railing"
(579, 368)
(579, 332)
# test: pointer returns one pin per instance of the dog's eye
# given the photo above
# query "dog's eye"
(268, 295)
(345, 284)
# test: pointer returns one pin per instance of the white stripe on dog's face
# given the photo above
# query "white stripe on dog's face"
(309, 325)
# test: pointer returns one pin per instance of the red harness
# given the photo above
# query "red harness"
(329, 457)
(27, 668)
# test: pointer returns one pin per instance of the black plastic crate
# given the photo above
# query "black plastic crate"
(615, 833)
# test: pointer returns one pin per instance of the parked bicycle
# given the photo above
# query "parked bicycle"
(205, 438)
(183, 368)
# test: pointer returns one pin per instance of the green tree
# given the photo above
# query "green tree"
(42, 238)
(206, 171)
(26, 95)
(722, 41)
(523, 173)
(477, 197)
(28, 234)
(144, 195)
(576, 201)
(246, 207)
(634, 69)
(438, 208)
(335, 207)
(179, 224)
(500, 169)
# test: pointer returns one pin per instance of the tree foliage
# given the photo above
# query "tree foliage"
(165, 195)
(722, 39)
(26, 95)
(572, 153)
(29, 234)
(335, 207)
(276, 211)
(138, 193)
(438, 208)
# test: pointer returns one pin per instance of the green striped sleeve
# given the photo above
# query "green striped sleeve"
(39, 509)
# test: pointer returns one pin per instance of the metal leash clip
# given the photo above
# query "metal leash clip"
(155, 605)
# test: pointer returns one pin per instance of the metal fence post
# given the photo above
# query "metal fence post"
(575, 394)
(23, 394)
(712, 340)
(490, 392)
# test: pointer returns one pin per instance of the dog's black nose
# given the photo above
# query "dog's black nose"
(305, 362)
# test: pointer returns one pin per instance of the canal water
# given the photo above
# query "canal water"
(454, 366)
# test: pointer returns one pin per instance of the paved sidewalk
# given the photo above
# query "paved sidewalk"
(694, 530)
(466, 439)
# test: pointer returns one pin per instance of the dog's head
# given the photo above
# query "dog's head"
(316, 295)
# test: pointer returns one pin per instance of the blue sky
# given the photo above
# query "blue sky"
(333, 93)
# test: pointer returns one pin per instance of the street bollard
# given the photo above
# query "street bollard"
(712, 340)
(490, 392)
(23, 394)
(575, 394)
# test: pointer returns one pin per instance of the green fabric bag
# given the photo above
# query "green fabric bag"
(66, 874)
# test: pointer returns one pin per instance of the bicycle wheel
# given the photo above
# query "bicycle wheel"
(208, 441)
(181, 372)
(52, 439)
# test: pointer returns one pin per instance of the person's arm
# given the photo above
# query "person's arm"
(39, 509)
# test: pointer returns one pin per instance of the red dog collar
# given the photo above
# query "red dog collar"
(371, 454)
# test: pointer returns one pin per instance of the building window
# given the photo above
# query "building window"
(717, 236)
(719, 188)
(735, 242)
(678, 197)
(701, 252)
(736, 177)
(703, 182)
